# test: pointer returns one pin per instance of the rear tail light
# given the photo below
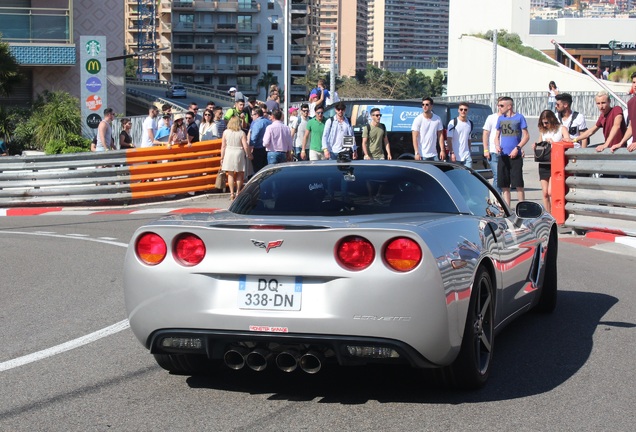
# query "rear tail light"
(402, 254)
(189, 249)
(355, 253)
(150, 248)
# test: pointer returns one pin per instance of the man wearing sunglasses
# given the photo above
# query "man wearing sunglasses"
(427, 134)
(298, 128)
(373, 136)
(313, 131)
(333, 137)
(458, 137)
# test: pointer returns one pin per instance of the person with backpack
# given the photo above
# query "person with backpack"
(336, 129)
(458, 137)
(373, 136)
(573, 121)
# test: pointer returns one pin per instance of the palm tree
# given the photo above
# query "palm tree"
(10, 76)
(266, 80)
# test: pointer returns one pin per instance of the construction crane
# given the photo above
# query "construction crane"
(146, 39)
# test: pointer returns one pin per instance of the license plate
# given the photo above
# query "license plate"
(270, 293)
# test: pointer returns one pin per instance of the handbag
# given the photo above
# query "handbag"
(543, 152)
(221, 181)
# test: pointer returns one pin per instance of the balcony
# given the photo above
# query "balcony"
(186, 67)
(164, 7)
(252, 7)
(165, 27)
(183, 27)
(35, 25)
(300, 70)
(247, 49)
(253, 29)
(299, 29)
(182, 5)
(166, 67)
(298, 50)
(226, 28)
(248, 69)
(299, 9)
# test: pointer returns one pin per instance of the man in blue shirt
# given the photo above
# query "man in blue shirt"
(255, 139)
(512, 135)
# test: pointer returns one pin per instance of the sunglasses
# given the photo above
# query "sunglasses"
(339, 109)
(463, 109)
(376, 115)
(188, 118)
(305, 110)
(426, 104)
(319, 113)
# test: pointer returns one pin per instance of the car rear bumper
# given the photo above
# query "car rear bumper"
(343, 350)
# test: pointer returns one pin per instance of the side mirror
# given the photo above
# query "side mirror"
(528, 210)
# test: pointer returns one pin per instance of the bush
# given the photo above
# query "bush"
(513, 42)
(73, 144)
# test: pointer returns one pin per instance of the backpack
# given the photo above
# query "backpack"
(454, 121)
(381, 127)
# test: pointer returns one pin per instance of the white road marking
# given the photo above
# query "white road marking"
(107, 238)
(66, 346)
(75, 343)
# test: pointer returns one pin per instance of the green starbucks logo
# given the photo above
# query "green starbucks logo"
(93, 48)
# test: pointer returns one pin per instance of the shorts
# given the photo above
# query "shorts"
(316, 155)
(510, 172)
(545, 171)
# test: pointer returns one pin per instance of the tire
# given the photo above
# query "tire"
(548, 296)
(471, 368)
(183, 364)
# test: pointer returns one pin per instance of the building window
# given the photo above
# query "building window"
(274, 63)
(244, 21)
(270, 43)
(244, 82)
(274, 20)
(270, 4)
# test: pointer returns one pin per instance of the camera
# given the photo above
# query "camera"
(346, 154)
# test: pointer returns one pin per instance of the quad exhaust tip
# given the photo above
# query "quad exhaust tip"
(311, 362)
(257, 359)
(287, 361)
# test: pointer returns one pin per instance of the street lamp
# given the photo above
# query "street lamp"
(612, 44)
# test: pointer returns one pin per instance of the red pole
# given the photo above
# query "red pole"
(558, 176)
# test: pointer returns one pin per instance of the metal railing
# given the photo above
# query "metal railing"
(594, 190)
(532, 103)
(118, 176)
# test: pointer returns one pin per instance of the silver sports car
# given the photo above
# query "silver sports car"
(339, 262)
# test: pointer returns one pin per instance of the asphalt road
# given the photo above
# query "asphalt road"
(62, 280)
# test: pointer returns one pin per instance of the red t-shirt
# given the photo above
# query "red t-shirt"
(631, 113)
(606, 122)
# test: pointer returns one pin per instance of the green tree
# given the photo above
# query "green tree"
(131, 68)
(266, 80)
(437, 86)
(55, 118)
(10, 75)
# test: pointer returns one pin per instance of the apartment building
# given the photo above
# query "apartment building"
(405, 34)
(44, 35)
(221, 44)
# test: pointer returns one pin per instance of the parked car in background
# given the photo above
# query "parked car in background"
(398, 115)
(176, 91)
(343, 263)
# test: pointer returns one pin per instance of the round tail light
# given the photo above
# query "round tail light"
(355, 253)
(402, 254)
(151, 249)
(189, 249)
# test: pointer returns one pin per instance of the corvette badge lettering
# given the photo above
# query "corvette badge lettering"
(267, 246)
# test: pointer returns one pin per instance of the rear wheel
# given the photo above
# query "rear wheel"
(183, 364)
(548, 297)
(471, 368)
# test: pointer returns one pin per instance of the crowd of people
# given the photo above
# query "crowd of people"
(254, 134)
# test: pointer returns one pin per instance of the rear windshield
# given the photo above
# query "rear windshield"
(338, 190)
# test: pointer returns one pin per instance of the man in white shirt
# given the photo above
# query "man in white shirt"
(573, 121)
(336, 129)
(488, 139)
(149, 128)
(427, 133)
(458, 137)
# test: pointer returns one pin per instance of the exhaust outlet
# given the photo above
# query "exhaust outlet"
(234, 358)
(257, 359)
(311, 362)
(287, 361)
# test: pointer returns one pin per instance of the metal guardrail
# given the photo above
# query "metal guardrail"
(119, 176)
(594, 190)
(532, 103)
(218, 96)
